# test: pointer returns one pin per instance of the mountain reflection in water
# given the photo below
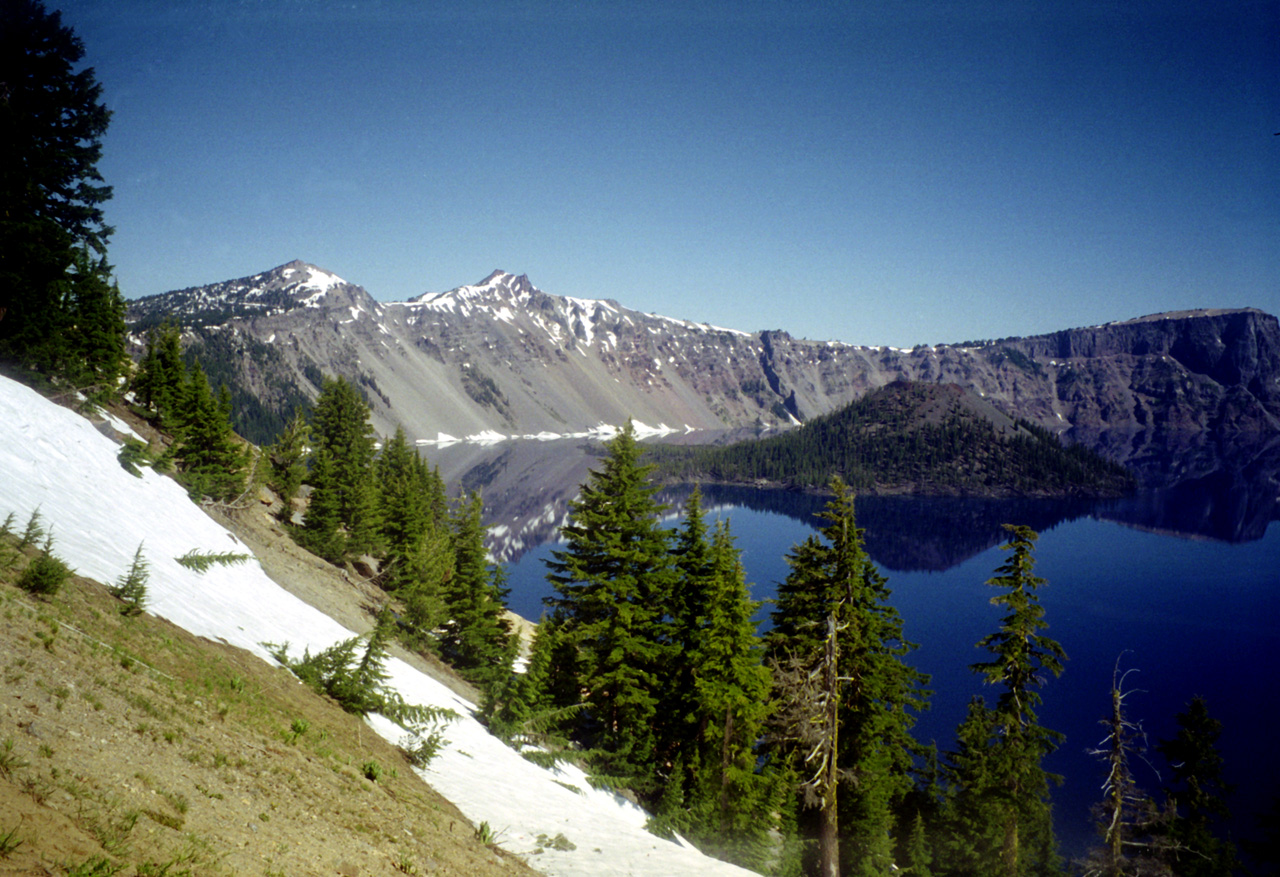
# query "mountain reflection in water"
(1202, 488)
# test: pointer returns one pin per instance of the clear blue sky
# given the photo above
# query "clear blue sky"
(875, 172)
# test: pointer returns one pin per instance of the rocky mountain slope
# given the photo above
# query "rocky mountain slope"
(503, 358)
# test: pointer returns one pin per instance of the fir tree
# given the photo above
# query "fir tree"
(612, 582)
(475, 638)
(51, 126)
(731, 686)
(834, 586)
(1000, 810)
(96, 331)
(1198, 794)
(342, 474)
(161, 380)
(131, 588)
(210, 461)
(287, 460)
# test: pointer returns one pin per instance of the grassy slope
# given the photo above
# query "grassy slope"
(129, 744)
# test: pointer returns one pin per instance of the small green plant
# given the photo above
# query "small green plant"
(297, 728)
(405, 865)
(44, 575)
(98, 866)
(132, 453)
(559, 842)
(203, 561)
(9, 841)
(165, 819)
(131, 588)
(372, 770)
(484, 833)
(10, 761)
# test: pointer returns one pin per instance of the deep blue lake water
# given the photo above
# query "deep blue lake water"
(1194, 616)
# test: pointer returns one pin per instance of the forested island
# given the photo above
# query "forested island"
(908, 437)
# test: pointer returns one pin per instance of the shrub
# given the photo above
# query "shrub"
(44, 575)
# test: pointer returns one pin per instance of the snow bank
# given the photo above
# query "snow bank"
(55, 460)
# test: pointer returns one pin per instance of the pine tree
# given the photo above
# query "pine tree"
(161, 380)
(475, 638)
(612, 582)
(210, 461)
(1000, 809)
(685, 724)
(51, 126)
(287, 461)
(342, 474)
(131, 588)
(1198, 794)
(96, 332)
(834, 586)
(418, 553)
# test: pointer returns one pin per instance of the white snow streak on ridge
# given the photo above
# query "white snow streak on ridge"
(56, 460)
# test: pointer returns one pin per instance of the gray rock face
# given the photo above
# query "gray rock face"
(503, 357)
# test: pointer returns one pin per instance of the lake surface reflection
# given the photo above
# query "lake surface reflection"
(1178, 581)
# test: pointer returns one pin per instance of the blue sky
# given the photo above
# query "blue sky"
(877, 173)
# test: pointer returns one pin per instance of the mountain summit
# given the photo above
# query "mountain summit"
(502, 358)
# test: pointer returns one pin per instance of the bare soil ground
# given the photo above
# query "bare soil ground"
(128, 746)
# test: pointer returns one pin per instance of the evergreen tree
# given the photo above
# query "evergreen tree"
(51, 126)
(1198, 795)
(413, 515)
(342, 474)
(96, 331)
(612, 582)
(1000, 811)
(161, 379)
(475, 639)
(834, 589)
(691, 596)
(403, 510)
(131, 588)
(287, 462)
(714, 793)
(210, 460)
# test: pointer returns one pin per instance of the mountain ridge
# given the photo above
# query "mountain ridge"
(503, 358)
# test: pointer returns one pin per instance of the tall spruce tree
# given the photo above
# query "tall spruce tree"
(56, 306)
(732, 686)
(476, 638)
(715, 698)
(287, 462)
(160, 382)
(1198, 794)
(834, 589)
(1000, 814)
(344, 497)
(209, 459)
(612, 582)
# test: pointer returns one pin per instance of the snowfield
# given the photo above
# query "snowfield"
(55, 460)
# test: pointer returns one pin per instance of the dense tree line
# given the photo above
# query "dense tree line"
(791, 752)
(906, 436)
(388, 508)
(211, 460)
